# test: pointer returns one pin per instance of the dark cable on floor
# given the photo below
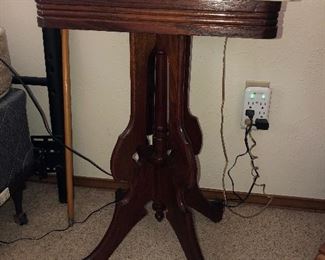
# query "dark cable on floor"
(57, 230)
(43, 116)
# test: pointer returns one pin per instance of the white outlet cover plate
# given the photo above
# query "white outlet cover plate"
(258, 99)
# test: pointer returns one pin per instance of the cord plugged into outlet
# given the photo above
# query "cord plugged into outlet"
(257, 99)
(260, 124)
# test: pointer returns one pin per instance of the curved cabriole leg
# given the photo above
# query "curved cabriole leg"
(177, 212)
(210, 209)
(127, 214)
(182, 223)
(124, 219)
(194, 198)
(183, 169)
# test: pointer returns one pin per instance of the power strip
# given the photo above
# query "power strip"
(257, 98)
(4, 196)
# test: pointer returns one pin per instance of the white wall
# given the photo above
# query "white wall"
(291, 153)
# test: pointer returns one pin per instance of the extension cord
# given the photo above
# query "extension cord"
(4, 196)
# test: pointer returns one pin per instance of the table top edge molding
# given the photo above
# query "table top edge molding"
(241, 18)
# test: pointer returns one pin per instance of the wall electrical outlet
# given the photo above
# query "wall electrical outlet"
(257, 97)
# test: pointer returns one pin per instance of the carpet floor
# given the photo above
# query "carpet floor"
(276, 234)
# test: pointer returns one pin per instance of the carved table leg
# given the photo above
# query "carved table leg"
(165, 171)
(128, 212)
(182, 223)
(210, 209)
(124, 219)
(194, 197)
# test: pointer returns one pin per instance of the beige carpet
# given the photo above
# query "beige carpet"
(277, 234)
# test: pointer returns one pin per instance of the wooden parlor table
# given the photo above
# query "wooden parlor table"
(165, 170)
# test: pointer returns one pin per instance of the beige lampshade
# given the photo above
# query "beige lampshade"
(5, 75)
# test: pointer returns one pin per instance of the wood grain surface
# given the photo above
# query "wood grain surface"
(242, 18)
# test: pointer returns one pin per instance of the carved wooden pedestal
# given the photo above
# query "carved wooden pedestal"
(156, 153)
(165, 171)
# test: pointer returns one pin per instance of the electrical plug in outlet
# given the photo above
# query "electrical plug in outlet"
(257, 97)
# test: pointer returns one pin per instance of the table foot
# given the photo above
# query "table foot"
(210, 209)
(182, 223)
(128, 212)
(120, 194)
(124, 219)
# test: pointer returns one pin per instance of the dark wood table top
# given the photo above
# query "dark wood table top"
(233, 18)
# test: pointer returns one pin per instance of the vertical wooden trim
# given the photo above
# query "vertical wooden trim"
(67, 122)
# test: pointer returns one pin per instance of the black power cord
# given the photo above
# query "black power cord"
(57, 230)
(47, 127)
(46, 124)
(259, 124)
(241, 200)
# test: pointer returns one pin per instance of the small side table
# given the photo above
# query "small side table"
(156, 154)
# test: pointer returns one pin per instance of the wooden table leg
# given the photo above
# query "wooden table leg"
(128, 212)
(165, 171)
